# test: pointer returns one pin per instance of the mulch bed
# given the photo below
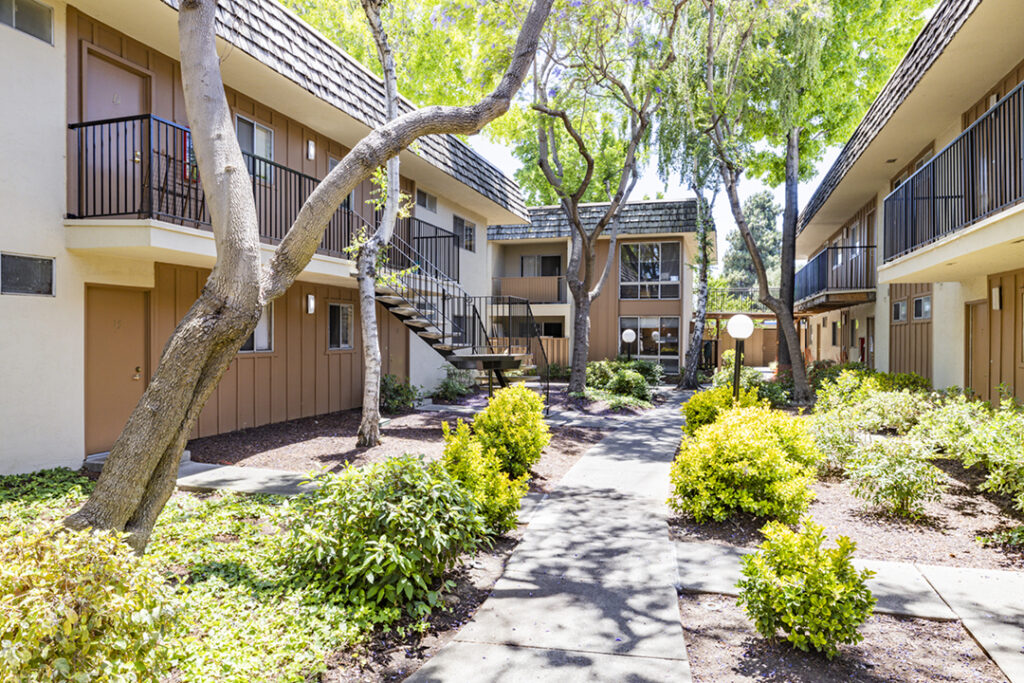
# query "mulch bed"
(723, 646)
(559, 397)
(946, 535)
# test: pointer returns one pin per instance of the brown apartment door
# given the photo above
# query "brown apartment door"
(116, 348)
(113, 88)
(978, 348)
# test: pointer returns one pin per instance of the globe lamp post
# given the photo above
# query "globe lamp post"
(739, 327)
(628, 337)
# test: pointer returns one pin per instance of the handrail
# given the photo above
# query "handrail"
(855, 270)
(737, 299)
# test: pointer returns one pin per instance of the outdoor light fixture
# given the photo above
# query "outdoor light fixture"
(997, 298)
(628, 337)
(739, 327)
(311, 149)
(311, 304)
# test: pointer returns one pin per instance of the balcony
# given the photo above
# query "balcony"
(537, 289)
(727, 301)
(835, 278)
(144, 167)
(976, 176)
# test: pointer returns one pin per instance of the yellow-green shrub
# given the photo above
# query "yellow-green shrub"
(512, 428)
(754, 460)
(80, 606)
(480, 472)
(704, 407)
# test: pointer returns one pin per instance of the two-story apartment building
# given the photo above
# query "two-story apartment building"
(105, 238)
(931, 184)
(648, 290)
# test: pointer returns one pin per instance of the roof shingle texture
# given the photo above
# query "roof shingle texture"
(636, 218)
(268, 32)
(949, 16)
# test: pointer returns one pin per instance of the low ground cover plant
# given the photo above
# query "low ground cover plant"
(998, 445)
(602, 373)
(776, 391)
(396, 395)
(456, 384)
(556, 371)
(480, 472)
(629, 383)
(890, 411)
(512, 427)
(754, 460)
(896, 475)
(951, 426)
(704, 407)
(813, 594)
(837, 439)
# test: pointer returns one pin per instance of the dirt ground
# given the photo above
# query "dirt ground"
(947, 535)
(723, 647)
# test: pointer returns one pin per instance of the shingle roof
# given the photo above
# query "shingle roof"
(268, 32)
(636, 218)
(949, 16)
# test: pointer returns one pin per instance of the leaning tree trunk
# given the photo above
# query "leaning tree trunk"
(580, 340)
(693, 352)
(789, 354)
(141, 470)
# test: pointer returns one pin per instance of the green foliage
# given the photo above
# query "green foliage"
(600, 373)
(821, 371)
(890, 411)
(952, 425)
(651, 372)
(557, 371)
(997, 444)
(480, 472)
(630, 383)
(512, 427)
(895, 474)
(614, 401)
(813, 594)
(80, 606)
(775, 393)
(752, 460)
(846, 391)
(456, 384)
(762, 214)
(384, 535)
(396, 395)
(902, 381)
(837, 439)
(750, 378)
(704, 407)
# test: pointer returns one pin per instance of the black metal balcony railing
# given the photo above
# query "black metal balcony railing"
(145, 167)
(836, 269)
(737, 300)
(976, 175)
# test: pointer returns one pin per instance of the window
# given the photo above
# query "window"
(543, 266)
(28, 16)
(339, 326)
(835, 333)
(465, 232)
(262, 338)
(553, 329)
(257, 141)
(427, 201)
(649, 270)
(26, 274)
(350, 200)
(657, 339)
(899, 311)
(922, 308)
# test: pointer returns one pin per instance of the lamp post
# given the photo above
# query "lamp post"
(628, 337)
(739, 327)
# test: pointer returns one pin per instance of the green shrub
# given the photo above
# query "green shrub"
(951, 426)
(456, 384)
(836, 438)
(753, 460)
(997, 444)
(629, 383)
(80, 606)
(891, 411)
(704, 407)
(894, 474)
(600, 373)
(497, 496)
(847, 390)
(385, 534)
(652, 372)
(396, 395)
(812, 594)
(902, 381)
(750, 378)
(512, 427)
(775, 393)
(822, 371)
(557, 371)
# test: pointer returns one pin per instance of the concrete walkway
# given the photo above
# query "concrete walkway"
(588, 594)
(989, 603)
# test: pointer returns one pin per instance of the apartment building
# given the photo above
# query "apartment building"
(648, 290)
(916, 234)
(105, 238)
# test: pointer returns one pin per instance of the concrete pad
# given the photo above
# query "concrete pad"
(899, 588)
(463, 662)
(642, 562)
(585, 615)
(529, 504)
(600, 511)
(243, 480)
(991, 605)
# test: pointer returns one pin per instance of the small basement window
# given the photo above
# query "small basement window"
(262, 338)
(28, 16)
(32, 275)
(339, 326)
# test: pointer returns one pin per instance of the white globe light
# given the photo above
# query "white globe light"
(740, 326)
(656, 336)
(628, 336)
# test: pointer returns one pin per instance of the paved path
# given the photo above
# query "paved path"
(989, 603)
(588, 595)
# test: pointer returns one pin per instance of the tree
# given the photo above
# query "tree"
(762, 214)
(597, 86)
(141, 471)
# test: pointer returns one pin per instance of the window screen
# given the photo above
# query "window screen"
(26, 275)
(339, 326)
(922, 308)
(28, 16)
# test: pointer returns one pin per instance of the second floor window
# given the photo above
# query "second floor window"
(543, 266)
(257, 140)
(426, 201)
(649, 270)
(466, 233)
(28, 16)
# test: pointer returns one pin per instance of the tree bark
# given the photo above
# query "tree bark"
(581, 267)
(693, 352)
(141, 471)
(787, 354)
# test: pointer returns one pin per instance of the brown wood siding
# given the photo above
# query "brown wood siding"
(1004, 354)
(607, 308)
(860, 224)
(1005, 84)
(85, 34)
(910, 341)
(300, 377)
